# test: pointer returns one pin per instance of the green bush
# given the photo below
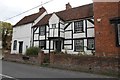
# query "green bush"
(32, 51)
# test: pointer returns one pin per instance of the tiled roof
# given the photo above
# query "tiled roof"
(76, 13)
(44, 20)
(70, 14)
(30, 18)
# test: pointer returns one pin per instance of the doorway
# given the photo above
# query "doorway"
(58, 46)
(21, 47)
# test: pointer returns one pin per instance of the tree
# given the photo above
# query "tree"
(6, 32)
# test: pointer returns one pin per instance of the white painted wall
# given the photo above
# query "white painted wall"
(36, 37)
(90, 32)
(36, 43)
(37, 31)
(69, 27)
(21, 33)
(68, 42)
(24, 33)
(54, 19)
(68, 35)
(79, 35)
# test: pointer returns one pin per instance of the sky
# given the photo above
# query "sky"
(10, 8)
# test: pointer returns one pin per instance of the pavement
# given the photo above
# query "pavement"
(1, 53)
(14, 70)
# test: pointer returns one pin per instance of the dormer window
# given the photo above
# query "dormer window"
(42, 30)
(78, 26)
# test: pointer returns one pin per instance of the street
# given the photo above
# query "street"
(17, 70)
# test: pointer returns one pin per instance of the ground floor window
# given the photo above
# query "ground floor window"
(91, 44)
(119, 34)
(15, 45)
(42, 44)
(79, 45)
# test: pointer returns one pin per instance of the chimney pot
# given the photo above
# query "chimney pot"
(42, 9)
(68, 6)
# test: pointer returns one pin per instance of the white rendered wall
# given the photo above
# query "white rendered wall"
(54, 20)
(21, 33)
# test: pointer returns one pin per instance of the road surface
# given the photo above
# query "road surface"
(17, 70)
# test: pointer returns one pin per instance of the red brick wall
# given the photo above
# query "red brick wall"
(105, 39)
(85, 63)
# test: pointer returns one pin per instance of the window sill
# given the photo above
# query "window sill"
(78, 32)
(90, 49)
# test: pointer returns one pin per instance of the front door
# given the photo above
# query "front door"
(20, 47)
(58, 46)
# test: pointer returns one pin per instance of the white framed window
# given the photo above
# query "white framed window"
(78, 26)
(42, 44)
(79, 45)
(42, 30)
(90, 44)
(53, 25)
(15, 45)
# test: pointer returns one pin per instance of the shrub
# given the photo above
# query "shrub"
(32, 51)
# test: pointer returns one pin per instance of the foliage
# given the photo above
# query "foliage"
(6, 31)
(32, 51)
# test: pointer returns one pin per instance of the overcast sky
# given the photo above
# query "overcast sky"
(9, 8)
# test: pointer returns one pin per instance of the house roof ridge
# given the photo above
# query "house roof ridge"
(30, 18)
(72, 8)
(80, 12)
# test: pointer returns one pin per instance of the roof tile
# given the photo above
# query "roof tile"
(70, 14)
(30, 18)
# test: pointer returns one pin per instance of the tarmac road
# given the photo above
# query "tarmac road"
(17, 70)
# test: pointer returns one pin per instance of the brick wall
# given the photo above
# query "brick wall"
(38, 59)
(105, 37)
(85, 63)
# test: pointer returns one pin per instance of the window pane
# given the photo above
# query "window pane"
(78, 26)
(42, 30)
(15, 45)
(79, 46)
(53, 25)
(91, 44)
(42, 44)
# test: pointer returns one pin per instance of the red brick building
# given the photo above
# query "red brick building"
(107, 28)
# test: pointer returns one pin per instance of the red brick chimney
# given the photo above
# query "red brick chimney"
(68, 6)
(42, 9)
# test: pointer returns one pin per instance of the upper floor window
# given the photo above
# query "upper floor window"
(78, 26)
(91, 44)
(119, 34)
(79, 45)
(53, 25)
(15, 45)
(42, 30)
